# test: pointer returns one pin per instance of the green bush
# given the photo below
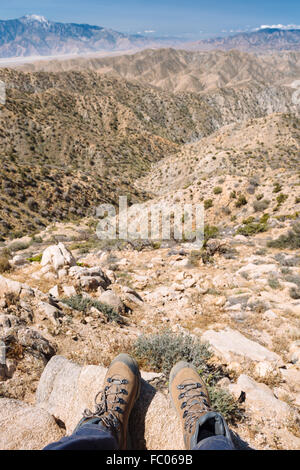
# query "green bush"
(210, 231)
(223, 402)
(261, 205)
(160, 352)
(208, 203)
(242, 201)
(250, 227)
(37, 239)
(84, 303)
(274, 283)
(281, 198)
(218, 190)
(35, 259)
(277, 188)
(290, 240)
(4, 264)
(295, 293)
(18, 246)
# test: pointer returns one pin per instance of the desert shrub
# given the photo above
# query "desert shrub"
(295, 293)
(277, 188)
(35, 259)
(297, 200)
(293, 278)
(218, 190)
(251, 189)
(18, 246)
(210, 231)
(254, 181)
(4, 264)
(290, 240)
(83, 304)
(284, 261)
(233, 195)
(32, 204)
(223, 402)
(37, 240)
(274, 283)
(250, 227)
(161, 351)
(259, 197)
(156, 245)
(262, 205)
(208, 203)
(241, 201)
(226, 210)
(194, 257)
(281, 198)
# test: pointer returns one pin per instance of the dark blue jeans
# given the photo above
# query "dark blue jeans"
(97, 437)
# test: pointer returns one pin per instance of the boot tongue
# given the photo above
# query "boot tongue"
(219, 426)
(210, 424)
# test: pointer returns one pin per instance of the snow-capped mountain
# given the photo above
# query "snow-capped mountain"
(34, 35)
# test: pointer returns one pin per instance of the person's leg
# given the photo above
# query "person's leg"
(214, 443)
(87, 437)
(203, 429)
(106, 427)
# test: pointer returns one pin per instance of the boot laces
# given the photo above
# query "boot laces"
(192, 396)
(105, 408)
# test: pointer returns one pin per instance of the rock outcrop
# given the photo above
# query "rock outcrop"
(25, 427)
(230, 345)
(58, 256)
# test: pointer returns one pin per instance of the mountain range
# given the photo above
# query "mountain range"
(262, 40)
(34, 35)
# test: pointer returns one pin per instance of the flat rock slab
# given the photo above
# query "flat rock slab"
(25, 427)
(230, 344)
(261, 400)
(66, 389)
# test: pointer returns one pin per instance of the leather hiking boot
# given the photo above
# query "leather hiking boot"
(122, 385)
(190, 398)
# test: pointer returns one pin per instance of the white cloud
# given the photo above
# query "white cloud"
(149, 31)
(278, 26)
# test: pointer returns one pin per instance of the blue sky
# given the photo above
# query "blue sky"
(171, 17)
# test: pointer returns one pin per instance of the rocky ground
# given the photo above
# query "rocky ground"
(242, 298)
(69, 302)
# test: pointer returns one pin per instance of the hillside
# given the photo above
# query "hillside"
(73, 139)
(250, 148)
(180, 71)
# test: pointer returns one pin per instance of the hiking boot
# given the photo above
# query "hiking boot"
(190, 398)
(122, 385)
